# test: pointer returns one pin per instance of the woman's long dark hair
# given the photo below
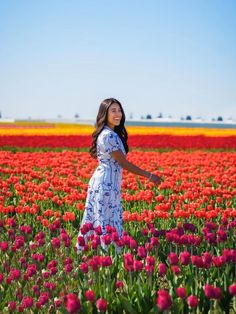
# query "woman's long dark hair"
(102, 121)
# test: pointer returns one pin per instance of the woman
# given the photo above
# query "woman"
(103, 204)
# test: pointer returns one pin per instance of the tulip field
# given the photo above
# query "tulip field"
(177, 253)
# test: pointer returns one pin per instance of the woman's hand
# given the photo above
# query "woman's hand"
(155, 179)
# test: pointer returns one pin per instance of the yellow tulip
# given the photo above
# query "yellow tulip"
(43, 128)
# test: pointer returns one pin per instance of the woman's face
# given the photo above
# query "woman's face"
(114, 116)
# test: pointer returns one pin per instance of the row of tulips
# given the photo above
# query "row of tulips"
(142, 141)
(41, 270)
(49, 129)
(197, 184)
(177, 252)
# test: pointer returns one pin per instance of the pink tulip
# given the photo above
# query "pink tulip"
(11, 306)
(212, 292)
(149, 269)
(101, 305)
(119, 284)
(133, 244)
(83, 268)
(72, 303)
(149, 246)
(90, 295)
(154, 241)
(31, 270)
(46, 274)
(175, 269)
(173, 258)
(98, 230)
(58, 303)
(19, 294)
(106, 261)
(162, 269)
(217, 261)
(106, 238)
(109, 229)
(181, 292)
(15, 274)
(81, 241)
(38, 257)
(150, 260)
(4, 246)
(35, 289)
(115, 236)
(128, 261)
(221, 235)
(27, 302)
(68, 268)
(185, 258)
(144, 232)
(94, 264)
(232, 289)
(44, 297)
(138, 265)
(142, 253)
(207, 258)
(21, 308)
(86, 228)
(164, 301)
(56, 243)
(192, 301)
(68, 260)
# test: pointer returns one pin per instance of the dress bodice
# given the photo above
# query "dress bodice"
(107, 142)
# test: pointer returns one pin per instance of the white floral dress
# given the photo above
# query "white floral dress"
(103, 203)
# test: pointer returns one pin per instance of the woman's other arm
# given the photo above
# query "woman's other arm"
(124, 163)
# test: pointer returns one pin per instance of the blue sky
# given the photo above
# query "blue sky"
(177, 57)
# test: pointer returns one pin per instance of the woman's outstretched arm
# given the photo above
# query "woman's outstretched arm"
(124, 163)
